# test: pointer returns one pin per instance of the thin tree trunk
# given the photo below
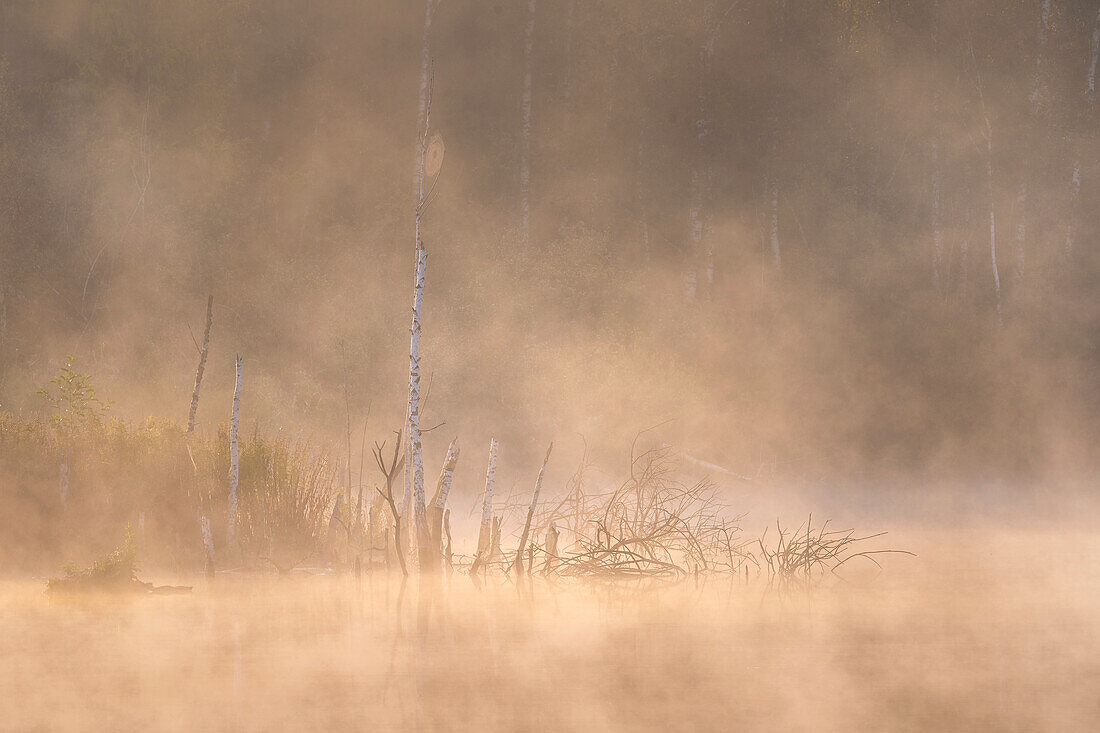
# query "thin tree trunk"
(234, 454)
(988, 135)
(447, 555)
(414, 473)
(204, 522)
(485, 535)
(438, 505)
(518, 564)
(1035, 100)
(415, 447)
(1090, 101)
(208, 545)
(525, 144)
(202, 366)
(551, 548)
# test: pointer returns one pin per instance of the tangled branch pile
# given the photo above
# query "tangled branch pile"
(652, 525)
(805, 555)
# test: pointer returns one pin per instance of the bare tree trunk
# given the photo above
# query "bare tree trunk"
(436, 509)
(485, 535)
(447, 556)
(551, 548)
(234, 454)
(3, 318)
(63, 473)
(1035, 99)
(773, 215)
(964, 253)
(202, 366)
(525, 144)
(567, 92)
(988, 135)
(1090, 101)
(208, 545)
(518, 564)
(414, 473)
(204, 522)
(415, 447)
(494, 541)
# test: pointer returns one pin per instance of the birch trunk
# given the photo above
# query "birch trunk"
(531, 513)
(202, 366)
(525, 146)
(414, 467)
(485, 535)
(234, 454)
(415, 446)
(438, 506)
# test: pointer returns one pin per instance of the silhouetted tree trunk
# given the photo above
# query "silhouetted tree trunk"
(1035, 102)
(234, 454)
(518, 564)
(202, 366)
(987, 134)
(525, 141)
(1090, 102)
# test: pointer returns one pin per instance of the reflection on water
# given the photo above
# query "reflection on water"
(995, 633)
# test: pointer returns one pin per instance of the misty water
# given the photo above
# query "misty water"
(983, 631)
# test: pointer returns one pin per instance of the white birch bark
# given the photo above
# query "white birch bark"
(202, 366)
(446, 476)
(414, 467)
(525, 143)
(439, 501)
(415, 446)
(484, 535)
(234, 453)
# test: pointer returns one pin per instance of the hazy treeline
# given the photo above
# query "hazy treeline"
(767, 220)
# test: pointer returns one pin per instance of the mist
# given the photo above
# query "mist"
(832, 260)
